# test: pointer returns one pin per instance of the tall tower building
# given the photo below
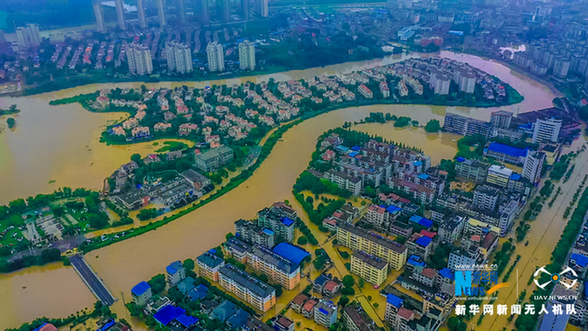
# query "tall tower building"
(179, 57)
(216, 57)
(161, 12)
(181, 6)
(99, 13)
(139, 59)
(120, 14)
(501, 119)
(247, 55)
(546, 130)
(225, 10)
(141, 14)
(533, 166)
(202, 6)
(263, 8)
(245, 9)
(28, 36)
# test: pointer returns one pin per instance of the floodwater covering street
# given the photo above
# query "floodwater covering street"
(62, 143)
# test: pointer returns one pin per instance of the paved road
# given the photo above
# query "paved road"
(92, 280)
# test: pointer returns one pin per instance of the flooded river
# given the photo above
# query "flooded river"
(61, 144)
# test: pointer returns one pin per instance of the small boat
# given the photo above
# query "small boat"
(453, 140)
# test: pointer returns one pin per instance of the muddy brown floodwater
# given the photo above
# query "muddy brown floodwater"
(60, 144)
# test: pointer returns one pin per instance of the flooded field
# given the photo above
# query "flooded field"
(61, 144)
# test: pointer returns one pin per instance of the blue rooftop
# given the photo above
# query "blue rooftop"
(393, 209)
(342, 148)
(238, 320)
(508, 150)
(423, 176)
(168, 314)
(40, 327)
(421, 221)
(515, 176)
(199, 293)
(394, 300)
(414, 260)
(460, 159)
(187, 321)
(107, 326)
(447, 273)
(353, 154)
(322, 310)
(355, 148)
(140, 288)
(287, 221)
(581, 260)
(291, 252)
(174, 267)
(268, 232)
(417, 163)
(424, 241)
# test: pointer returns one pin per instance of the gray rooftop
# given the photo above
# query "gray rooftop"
(246, 280)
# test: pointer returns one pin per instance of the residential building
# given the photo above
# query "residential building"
(263, 8)
(198, 180)
(506, 153)
(359, 239)
(278, 269)
(473, 170)
(308, 308)
(141, 293)
(280, 218)
(298, 302)
(499, 176)
(179, 57)
(99, 14)
(533, 166)
(425, 276)
(501, 119)
(459, 257)
(141, 14)
(209, 264)
(466, 126)
(439, 83)
(120, 14)
(28, 36)
(175, 273)
(419, 245)
(214, 158)
(181, 7)
(216, 57)
(282, 323)
(237, 249)
(202, 8)
(486, 197)
(344, 181)
(546, 130)
(356, 319)
(247, 55)
(370, 268)
(139, 59)
(161, 13)
(325, 313)
(253, 234)
(393, 305)
(257, 293)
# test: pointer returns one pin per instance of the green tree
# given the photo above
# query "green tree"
(433, 126)
(348, 281)
(188, 264)
(343, 301)
(302, 241)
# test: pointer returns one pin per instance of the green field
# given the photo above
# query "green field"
(169, 146)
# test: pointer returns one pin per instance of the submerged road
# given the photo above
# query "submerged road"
(91, 280)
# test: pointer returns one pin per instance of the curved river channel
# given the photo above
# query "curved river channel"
(58, 146)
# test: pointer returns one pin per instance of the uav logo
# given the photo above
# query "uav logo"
(554, 277)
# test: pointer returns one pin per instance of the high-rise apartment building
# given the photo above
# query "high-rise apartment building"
(216, 57)
(141, 14)
(263, 8)
(181, 7)
(28, 36)
(161, 12)
(225, 10)
(202, 6)
(247, 55)
(546, 130)
(179, 57)
(245, 9)
(139, 60)
(501, 119)
(533, 166)
(99, 13)
(373, 269)
(257, 293)
(120, 14)
(278, 269)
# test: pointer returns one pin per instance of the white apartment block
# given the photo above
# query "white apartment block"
(247, 55)
(216, 57)
(139, 60)
(179, 58)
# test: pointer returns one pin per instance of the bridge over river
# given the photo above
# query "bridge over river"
(89, 277)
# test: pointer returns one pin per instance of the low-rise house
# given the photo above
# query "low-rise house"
(298, 302)
(198, 180)
(209, 265)
(141, 293)
(308, 308)
(175, 273)
(282, 323)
